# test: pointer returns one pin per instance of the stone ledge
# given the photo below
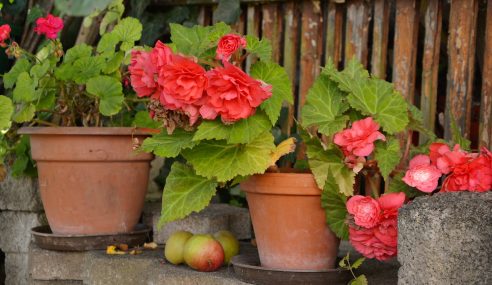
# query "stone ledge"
(15, 229)
(55, 265)
(212, 219)
(20, 194)
(16, 268)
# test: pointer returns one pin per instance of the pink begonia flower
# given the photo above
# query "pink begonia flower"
(390, 203)
(183, 83)
(369, 245)
(228, 45)
(437, 150)
(4, 34)
(449, 160)
(49, 26)
(233, 94)
(359, 139)
(422, 174)
(366, 211)
(474, 175)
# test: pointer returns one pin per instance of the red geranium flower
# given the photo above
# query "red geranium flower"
(233, 94)
(4, 34)
(49, 26)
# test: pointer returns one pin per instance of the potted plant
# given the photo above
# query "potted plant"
(70, 103)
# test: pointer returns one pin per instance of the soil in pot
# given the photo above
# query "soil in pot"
(91, 181)
(289, 223)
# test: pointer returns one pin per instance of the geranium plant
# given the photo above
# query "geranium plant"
(82, 86)
(354, 124)
(215, 117)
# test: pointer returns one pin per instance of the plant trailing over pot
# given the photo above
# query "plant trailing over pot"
(82, 87)
(216, 117)
(355, 123)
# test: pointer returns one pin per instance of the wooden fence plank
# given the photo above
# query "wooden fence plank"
(291, 33)
(405, 47)
(486, 104)
(380, 38)
(334, 32)
(430, 63)
(357, 30)
(253, 20)
(239, 26)
(271, 27)
(461, 52)
(310, 47)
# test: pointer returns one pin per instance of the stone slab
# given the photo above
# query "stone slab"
(15, 229)
(20, 194)
(212, 219)
(446, 239)
(16, 269)
(56, 282)
(55, 265)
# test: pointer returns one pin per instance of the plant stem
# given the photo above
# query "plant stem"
(41, 122)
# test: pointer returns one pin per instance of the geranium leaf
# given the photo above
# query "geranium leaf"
(242, 131)
(78, 51)
(86, 68)
(109, 91)
(143, 120)
(324, 107)
(39, 70)
(167, 145)
(262, 48)
(388, 155)
(24, 90)
(25, 114)
(128, 31)
(334, 205)
(114, 63)
(107, 44)
(217, 159)
(6, 111)
(273, 74)
(184, 193)
(9, 78)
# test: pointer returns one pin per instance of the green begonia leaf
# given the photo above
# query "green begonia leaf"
(333, 202)
(242, 131)
(388, 155)
(109, 91)
(324, 107)
(196, 40)
(167, 145)
(25, 114)
(261, 48)
(9, 78)
(185, 192)
(6, 111)
(217, 159)
(24, 89)
(273, 74)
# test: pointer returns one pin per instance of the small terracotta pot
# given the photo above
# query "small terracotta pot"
(289, 223)
(91, 181)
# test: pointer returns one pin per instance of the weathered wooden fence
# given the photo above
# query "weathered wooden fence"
(437, 53)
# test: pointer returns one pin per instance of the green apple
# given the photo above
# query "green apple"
(175, 246)
(229, 243)
(203, 253)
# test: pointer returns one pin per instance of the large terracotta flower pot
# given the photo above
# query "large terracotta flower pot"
(91, 181)
(289, 223)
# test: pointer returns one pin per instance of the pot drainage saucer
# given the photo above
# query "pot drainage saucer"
(247, 268)
(44, 238)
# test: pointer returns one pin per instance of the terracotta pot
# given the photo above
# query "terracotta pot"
(91, 181)
(289, 223)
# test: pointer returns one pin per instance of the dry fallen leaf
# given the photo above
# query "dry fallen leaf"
(285, 147)
(135, 252)
(150, 245)
(113, 250)
(123, 247)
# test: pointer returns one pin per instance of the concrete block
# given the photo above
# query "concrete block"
(55, 265)
(20, 194)
(15, 229)
(213, 218)
(446, 239)
(16, 269)
(56, 282)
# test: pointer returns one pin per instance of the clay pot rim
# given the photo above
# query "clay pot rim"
(87, 131)
(292, 184)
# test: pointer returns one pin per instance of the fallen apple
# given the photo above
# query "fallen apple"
(203, 253)
(229, 243)
(173, 250)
